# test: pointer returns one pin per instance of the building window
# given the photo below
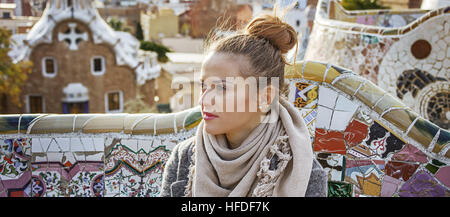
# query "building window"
(114, 101)
(6, 15)
(297, 23)
(35, 104)
(49, 67)
(98, 65)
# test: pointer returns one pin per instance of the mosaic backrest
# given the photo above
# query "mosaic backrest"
(368, 141)
(405, 53)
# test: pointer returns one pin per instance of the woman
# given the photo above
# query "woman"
(245, 153)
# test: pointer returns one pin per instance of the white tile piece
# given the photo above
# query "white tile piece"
(145, 145)
(55, 157)
(327, 97)
(94, 157)
(88, 144)
(99, 143)
(36, 145)
(345, 104)
(76, 145)
(130, 143)
(323, 117)
(44, 143)
(64, 143)
(340, 120)
(54, 146)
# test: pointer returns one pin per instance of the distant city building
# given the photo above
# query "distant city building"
(81, 65)
(159, 24)
(434, 4)
(10, 19)
(128, 15)
(207, 14)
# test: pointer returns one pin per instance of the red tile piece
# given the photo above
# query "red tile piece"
(355, 133)
(329, 141)
(400, 169)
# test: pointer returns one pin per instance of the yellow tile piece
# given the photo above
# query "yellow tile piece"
(53, 124)
(402, 118)
(131, 120)
(105, 123)
(349, 84)
(387, 102)
(369, 94)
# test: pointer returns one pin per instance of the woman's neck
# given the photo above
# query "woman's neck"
(237, 136)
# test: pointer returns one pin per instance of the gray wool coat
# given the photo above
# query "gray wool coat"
(176, 171)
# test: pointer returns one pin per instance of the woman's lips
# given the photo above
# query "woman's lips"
(209, 116)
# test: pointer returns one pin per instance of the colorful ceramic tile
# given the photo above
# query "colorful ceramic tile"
(305, 95)
(382, 142)
(355, 133)
(329, 141)
(442, 141)
(333, 164)
(309, 116)
(53, 124)
(434, 166)
(387, 102)
(401, 118)
(349, 84)
(443, 175)
(389, 187)
(360, 151)
(105, 124)
(339, 189)
(73, 175)
(67, 167)
(410, 153)
(366, 175)
(15, 173)
(369, 94)
(422, 184)
(401, 170)
(131, 173)
(423, 132)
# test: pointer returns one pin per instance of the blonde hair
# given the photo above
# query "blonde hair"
(264, 41)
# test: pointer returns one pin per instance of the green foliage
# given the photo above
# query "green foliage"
(361, 4)
(160, 49)
(139, 32)
(13, 76)
(116, 24)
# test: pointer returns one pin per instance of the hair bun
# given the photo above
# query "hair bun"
(272, 28)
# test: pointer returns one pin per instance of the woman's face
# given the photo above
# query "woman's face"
(225, 98)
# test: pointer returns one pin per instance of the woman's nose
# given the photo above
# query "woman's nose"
(206, 100)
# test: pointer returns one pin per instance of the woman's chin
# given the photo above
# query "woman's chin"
(213, 129)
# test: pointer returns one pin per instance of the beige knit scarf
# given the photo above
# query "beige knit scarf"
(219, 171)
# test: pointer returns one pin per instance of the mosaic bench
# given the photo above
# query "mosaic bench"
(406, 53)
(368, 141)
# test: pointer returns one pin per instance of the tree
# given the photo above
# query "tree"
(116, 24)
(160, 49)
(362, 4)
(13, 76)
(139, 32)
